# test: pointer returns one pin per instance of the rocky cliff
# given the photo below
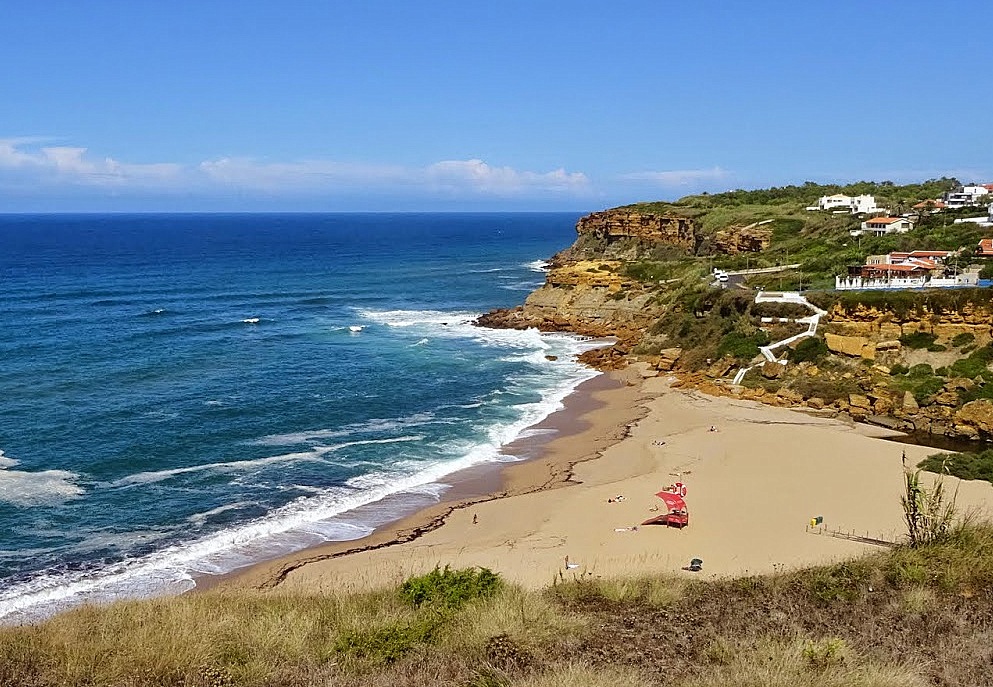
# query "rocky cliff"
(647, 228)
(584, 297)
(588, 291)
(629, 235)
(875, 325)
(749, 239)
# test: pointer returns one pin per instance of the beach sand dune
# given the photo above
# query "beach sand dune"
(755, 477)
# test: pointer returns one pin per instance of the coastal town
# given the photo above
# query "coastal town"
(914, 269)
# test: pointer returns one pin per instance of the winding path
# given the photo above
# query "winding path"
(811, 321)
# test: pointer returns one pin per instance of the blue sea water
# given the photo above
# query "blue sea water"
(187, 394)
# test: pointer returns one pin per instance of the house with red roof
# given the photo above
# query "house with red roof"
(985, 248)
(880, 226)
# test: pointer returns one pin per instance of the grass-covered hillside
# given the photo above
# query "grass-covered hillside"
(819, 241)
(903, 617)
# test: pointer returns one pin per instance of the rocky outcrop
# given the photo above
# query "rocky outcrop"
(647, 229)
(882, 325)
(850, 345)
(975, 419)
(750, 239)
(584, 297)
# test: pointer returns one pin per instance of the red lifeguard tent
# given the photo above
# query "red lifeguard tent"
(676, 513)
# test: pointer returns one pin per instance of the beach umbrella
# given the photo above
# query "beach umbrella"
(673, 501)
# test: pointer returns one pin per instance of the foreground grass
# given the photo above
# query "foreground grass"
(900, 618)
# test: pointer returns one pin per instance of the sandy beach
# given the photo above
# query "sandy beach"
(753, 482)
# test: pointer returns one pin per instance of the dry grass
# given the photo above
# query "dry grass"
(579, 675)
(825, 663)
(910, 616)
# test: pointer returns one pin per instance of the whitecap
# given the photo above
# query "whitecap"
(537, 265)
(201, 518)
(152, 476)
(40, 488)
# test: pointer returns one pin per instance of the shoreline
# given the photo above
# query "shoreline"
(754, 485)
(543, 465)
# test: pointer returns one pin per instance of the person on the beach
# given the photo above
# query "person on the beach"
(475, 519)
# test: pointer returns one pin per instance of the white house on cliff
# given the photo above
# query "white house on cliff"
(839, 202)
(880, 226)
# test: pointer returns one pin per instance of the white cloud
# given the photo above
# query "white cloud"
(68, 164)
(27, 160)
(479, 176)
(679, 177)
(306, 175)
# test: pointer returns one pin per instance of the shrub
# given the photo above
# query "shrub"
(842, 582)
(742, 346)
(962, 465)
(963, 339)
(450, 588)
(918, 340)
(974, 365)
(386, 644)
(810, 349)
(825, 653)
(830, 390)
(899, 369)
(927, 386)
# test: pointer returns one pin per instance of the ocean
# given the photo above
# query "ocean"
(184, 395)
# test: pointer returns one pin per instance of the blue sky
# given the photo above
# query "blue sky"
(252, 105)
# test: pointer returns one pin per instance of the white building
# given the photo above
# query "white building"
(880, 226)
(865, 204)
(965, 196)
(838, 201)
(917, 281)
(984, 221)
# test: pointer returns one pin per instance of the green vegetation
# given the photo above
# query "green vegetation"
(963, 339)
(918, 340)
(929, 517)
(975, 366)
(741, 346)
(819, 241)
(909, 616)
(920, 380)
(811, 349)
(450, 589)
(904, 303)
(962, 465)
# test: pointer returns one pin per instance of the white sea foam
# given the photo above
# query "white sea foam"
(200, 518)
(230, 466)
(373, 426)
(537, 265)
(322, 516)
(36, 488)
